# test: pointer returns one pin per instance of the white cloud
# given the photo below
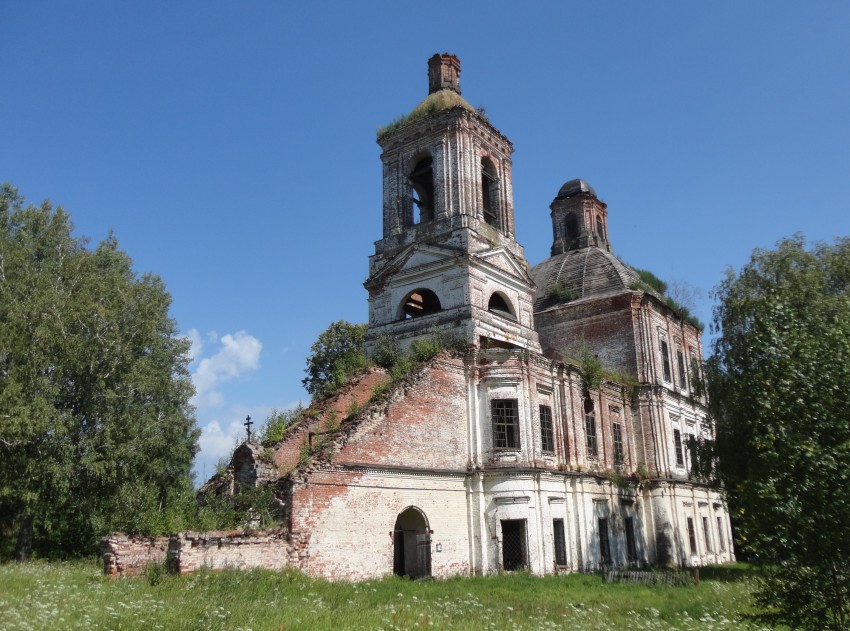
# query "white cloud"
(197, 345)
(239, 353)
(216, 442)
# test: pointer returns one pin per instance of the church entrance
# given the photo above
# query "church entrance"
(514, 555)
(411, 545)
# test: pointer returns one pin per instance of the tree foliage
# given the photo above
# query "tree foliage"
(336, 355)
(96, 432)
(780, 394)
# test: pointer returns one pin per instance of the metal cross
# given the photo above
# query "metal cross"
(247, 425)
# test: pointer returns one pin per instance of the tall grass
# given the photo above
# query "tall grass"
(77, 596)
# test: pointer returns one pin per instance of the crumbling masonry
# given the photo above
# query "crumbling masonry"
(507, 455)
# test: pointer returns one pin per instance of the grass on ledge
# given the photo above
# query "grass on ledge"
(77, 596)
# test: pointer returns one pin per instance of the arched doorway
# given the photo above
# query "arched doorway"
(411, 544)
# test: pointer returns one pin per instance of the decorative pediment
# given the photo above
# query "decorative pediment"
(415, 258)
(504, 260)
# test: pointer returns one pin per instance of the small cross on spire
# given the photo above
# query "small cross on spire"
(247, 425)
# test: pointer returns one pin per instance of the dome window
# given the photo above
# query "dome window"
(571, 227)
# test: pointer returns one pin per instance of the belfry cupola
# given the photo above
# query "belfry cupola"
(448, 253)
(579, 218)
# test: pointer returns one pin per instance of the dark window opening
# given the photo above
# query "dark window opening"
(560, 541)
(665, 360)
(692, 536)
(422, 185)
(590, 428)
(571, 227)
(680, 455)
(547, 436)
(490, 193)
(720, 538)
(631, 549)
(706, 534)
(491, 342)
(604, 544)
(499, 305)
(505, 416)
(600, 227)
(419, 303)
(618, 443)
(680, 356)
(513, 544)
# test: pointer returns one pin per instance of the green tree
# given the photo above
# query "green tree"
(336, 355)
(779, 381)
(96, 430)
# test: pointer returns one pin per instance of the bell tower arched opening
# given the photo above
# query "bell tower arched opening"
(490, 193)
(412, 544)
(422, 190)
(419, 302)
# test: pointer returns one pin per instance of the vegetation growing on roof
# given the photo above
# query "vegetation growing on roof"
(400, 363)
(560, 293)
(438, 101)
(650, 283)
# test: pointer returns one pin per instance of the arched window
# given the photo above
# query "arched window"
(422, 185)
(500, 305)
(419, 302)
(490, 193)
(571, 227)
(600, 227)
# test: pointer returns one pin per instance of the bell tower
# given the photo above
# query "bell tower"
(448, 258)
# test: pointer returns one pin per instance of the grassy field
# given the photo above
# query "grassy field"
(43, 596)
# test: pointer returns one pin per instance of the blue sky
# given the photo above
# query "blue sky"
(231, 146)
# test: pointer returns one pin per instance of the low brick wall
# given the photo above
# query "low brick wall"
(218, 550)
(128, 556)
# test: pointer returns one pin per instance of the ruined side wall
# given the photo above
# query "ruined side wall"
(127, 556)
(242, 550)
(425, 427)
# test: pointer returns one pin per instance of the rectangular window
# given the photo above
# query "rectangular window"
(590, 433)
(680, 456)
(505, 417)
(618, 443)
(692, 535)
(665, 360)
(706, 534)
(560, 541)
(720, 538)
(547, 437)
(682, 376)
(604, 546)
(631, 549)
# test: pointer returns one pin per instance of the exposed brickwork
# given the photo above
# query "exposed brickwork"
(128, 556)
(450, 465)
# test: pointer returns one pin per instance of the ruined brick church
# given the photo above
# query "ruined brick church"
(507, 455)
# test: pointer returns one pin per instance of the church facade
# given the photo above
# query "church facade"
(559, 441)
